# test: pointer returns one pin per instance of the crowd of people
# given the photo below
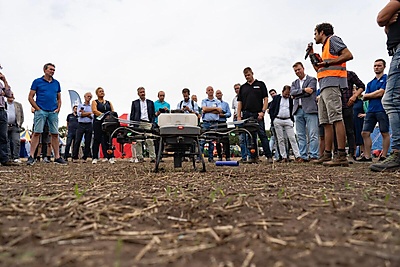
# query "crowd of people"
(315, 116)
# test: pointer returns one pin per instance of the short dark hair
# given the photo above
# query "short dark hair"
(140, 88)
(286, 87)
(46, 66)
(247, 69)
(272, 90)
(236, 84)
(297, 64)
(382, 60)
(185, 90)
(326, 27)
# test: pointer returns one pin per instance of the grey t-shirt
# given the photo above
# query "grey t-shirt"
(336, 45)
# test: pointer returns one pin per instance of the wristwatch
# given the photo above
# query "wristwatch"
(326, 64)
(263, 111)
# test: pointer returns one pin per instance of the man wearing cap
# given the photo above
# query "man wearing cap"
(15, 115)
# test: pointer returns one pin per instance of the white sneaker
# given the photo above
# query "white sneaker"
(112, 160)
(94, 161)
(17, 161)
(132, 160)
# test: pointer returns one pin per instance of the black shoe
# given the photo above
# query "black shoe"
(9, 163)
(220, 158)
(228, 159)
(391, 164)
(60, 161)
(211, 160)
(30, 161)
(364, 159)
(382, 159)
(152, 161)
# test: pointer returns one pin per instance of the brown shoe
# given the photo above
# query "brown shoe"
(324, 158)
(300, 160)
(340, 159)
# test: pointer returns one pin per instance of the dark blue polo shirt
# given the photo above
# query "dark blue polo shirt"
(375, 105)
(46, 93)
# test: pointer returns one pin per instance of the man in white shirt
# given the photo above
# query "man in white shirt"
(142, 110)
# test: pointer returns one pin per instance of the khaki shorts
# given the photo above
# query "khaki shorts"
(330, 105)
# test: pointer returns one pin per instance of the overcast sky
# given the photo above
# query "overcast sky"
(169, 45)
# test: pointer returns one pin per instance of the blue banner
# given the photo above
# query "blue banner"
(75, 98)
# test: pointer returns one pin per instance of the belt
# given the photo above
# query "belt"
(2, 108)
(393, 50)
(85, 122)
(300, 106)
(11, 125)
(210, 121)
(282, 118)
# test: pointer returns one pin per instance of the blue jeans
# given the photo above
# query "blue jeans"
(391, 99)
(208, 126)
(244, 150)
(307, 124)
(3, 136)
(261, 133)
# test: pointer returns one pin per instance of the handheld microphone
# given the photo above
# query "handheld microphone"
(309, 47)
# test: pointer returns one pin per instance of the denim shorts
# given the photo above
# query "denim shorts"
(372, 118)
(39, 120)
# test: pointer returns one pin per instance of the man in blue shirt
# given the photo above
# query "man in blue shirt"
(211, 108)
(376, 113)
(223, 116)
(47, 106)
(160, 106)
(85, 127)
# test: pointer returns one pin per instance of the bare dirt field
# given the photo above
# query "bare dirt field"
(253, 215)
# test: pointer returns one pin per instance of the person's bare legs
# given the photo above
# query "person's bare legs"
(340, 134)
(55, 143)
(385, 144)
(34, 143)
(367, 144)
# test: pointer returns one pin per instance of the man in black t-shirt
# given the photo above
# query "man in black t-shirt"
(253, 103)
(72, 126)
(388, 17)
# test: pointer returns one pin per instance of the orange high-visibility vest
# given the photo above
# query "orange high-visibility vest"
(332, 70)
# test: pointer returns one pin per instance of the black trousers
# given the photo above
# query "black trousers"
(83, 129)
(349, 127)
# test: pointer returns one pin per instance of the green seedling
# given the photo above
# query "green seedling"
(118, 251)
(168, 191)
(347, 185)
(78, 193)
(325, 198)
(281, 193)
(387, 197)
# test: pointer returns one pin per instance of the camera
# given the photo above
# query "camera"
(162, 110)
